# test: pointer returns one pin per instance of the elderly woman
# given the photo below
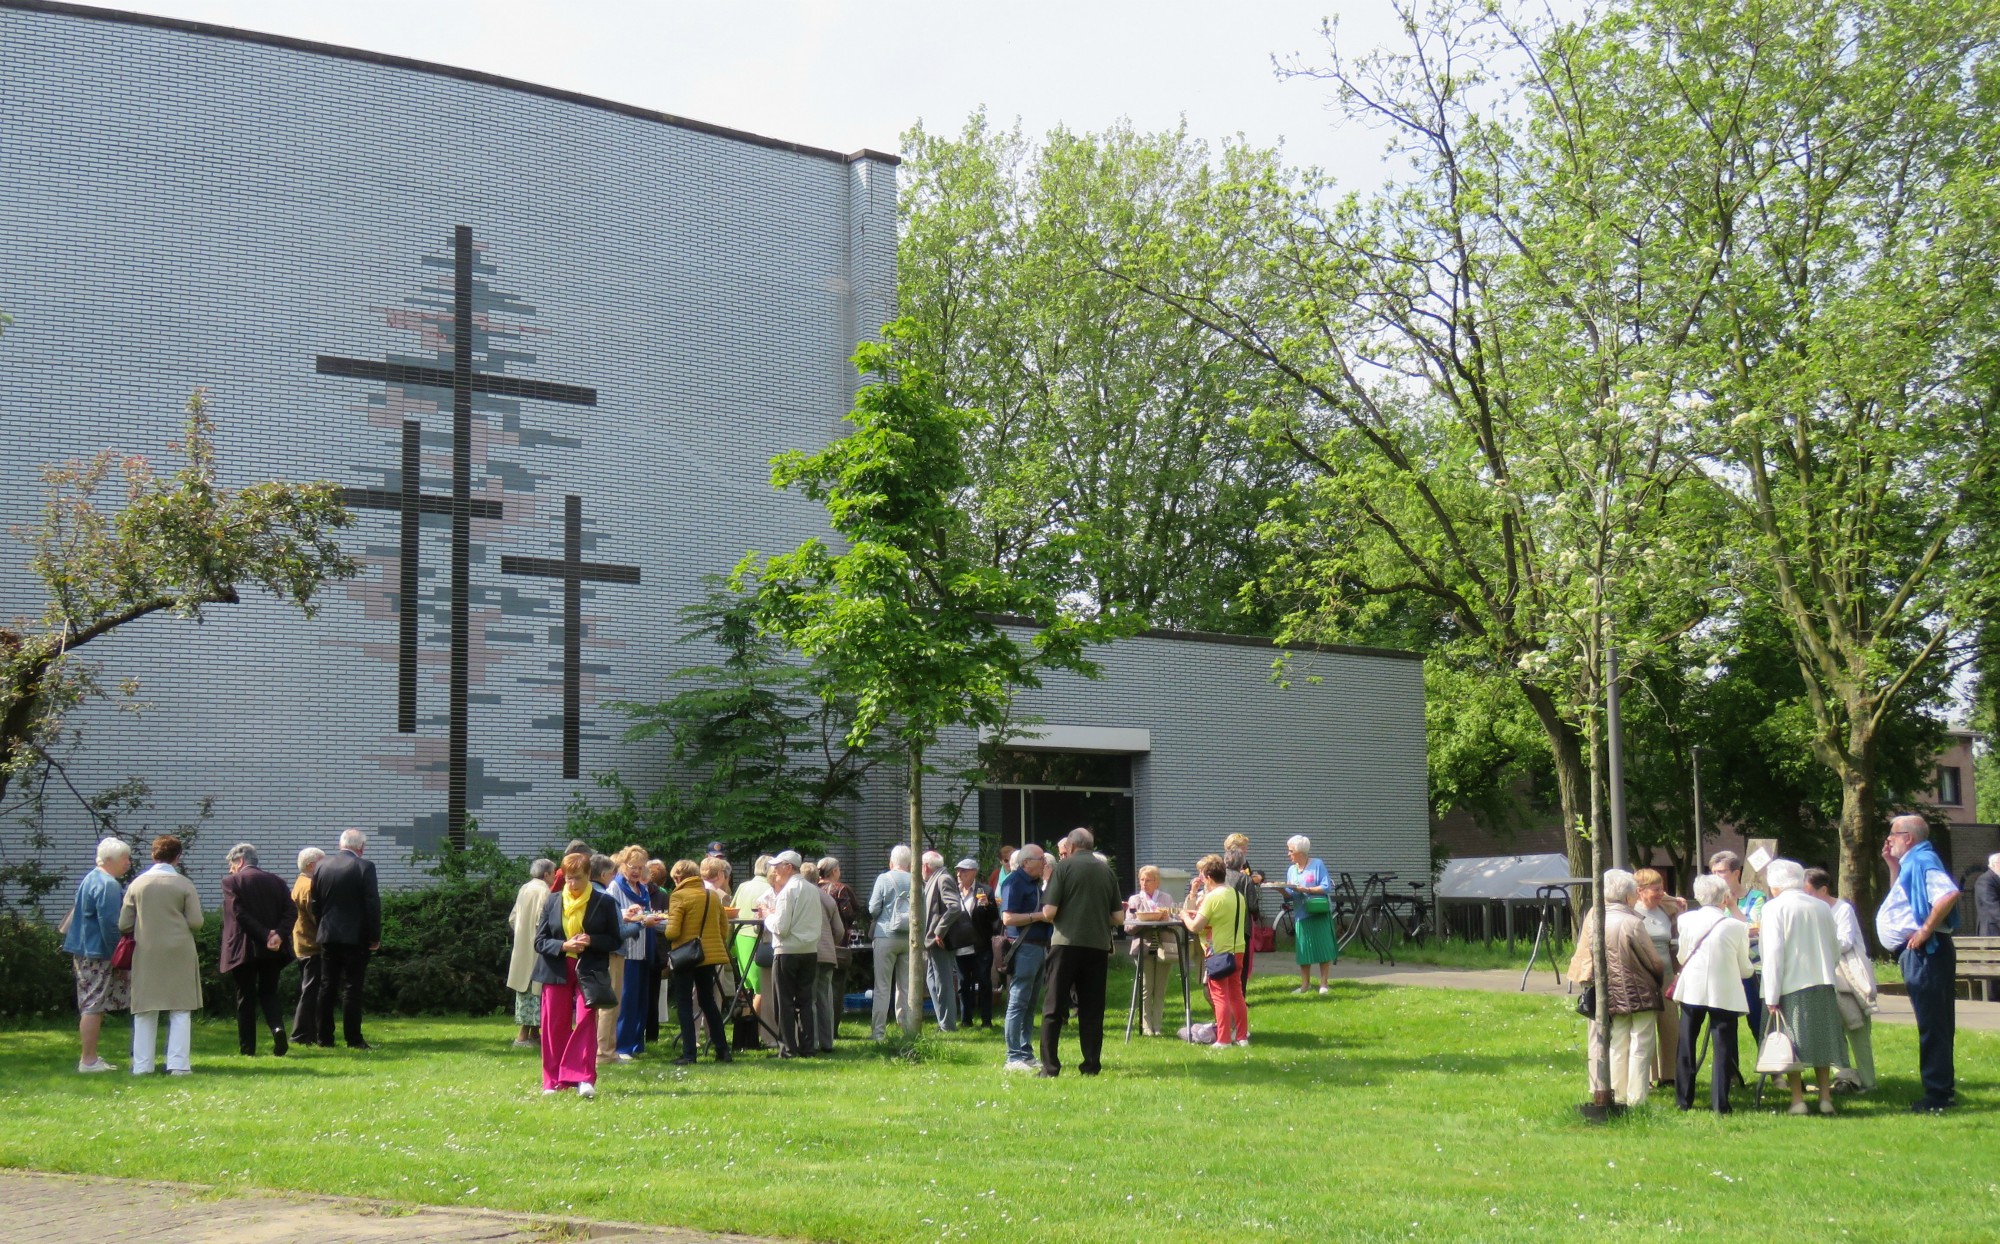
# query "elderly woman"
(1631, 990)
(305, 948)
(754, 890)
(1223, 922)
(635, 903)
(90, 935)
(257, 920)
(1801, 949)
(1746, 903)
(1244, 880)
(694, 912)
(1310, 888)
(573, 945)
(1657, 910)
(162, 911)
(527, 913)
(1150, 953)
(1715, 961)
(603, 875)
(1853, 985)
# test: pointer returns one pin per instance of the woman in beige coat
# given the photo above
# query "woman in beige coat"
(528, 903)
(161, 912)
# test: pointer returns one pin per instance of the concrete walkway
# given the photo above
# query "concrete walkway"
(57, 1209)
(1892, 1008)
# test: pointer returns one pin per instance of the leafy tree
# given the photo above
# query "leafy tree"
(760, 743)
(1847, 367)
(1108, 442)
(910, 623)
(179, 544)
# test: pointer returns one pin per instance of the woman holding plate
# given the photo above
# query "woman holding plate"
(1310, 888)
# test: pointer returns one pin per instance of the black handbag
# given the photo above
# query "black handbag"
(687, 956)
(1586, 1002)
(764, 954)
(1222, 965)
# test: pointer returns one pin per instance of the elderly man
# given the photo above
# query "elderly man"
(305, 948)
(889, 911)
(90, 935)
(1916, 922)
(1082, 901)
(1634, 978)
(348, 903)
(257, 917)
(528, 903)
(795, 924)
(975, 962)
(941, 915)
(1987, 891)
(826, 973)
(1027, 930)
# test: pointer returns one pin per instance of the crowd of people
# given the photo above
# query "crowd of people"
(597, 937)
(1787, 956)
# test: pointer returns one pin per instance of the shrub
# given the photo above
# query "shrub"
(35, 978)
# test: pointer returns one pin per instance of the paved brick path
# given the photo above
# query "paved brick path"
(60, 1209)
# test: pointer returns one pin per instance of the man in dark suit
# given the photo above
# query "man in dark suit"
(975, 963)
(257, 917)
(1986, 892)
(349, 907)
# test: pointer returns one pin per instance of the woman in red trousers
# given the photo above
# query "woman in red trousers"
(573, 942)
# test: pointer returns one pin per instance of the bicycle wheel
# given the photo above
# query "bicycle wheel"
(1385, 929)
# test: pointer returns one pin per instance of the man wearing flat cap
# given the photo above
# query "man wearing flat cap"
(975, 962)
(795, 924)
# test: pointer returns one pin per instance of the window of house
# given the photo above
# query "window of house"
(1950, 794)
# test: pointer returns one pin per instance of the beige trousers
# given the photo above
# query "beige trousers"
(1632, 1038)
(607, 1019)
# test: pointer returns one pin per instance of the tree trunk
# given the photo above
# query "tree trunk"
(915, 985)
(1860, 835)
(1600, 1036)
(1572, 779)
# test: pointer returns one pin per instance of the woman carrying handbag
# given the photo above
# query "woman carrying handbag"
(578, 932)
(1222, 918)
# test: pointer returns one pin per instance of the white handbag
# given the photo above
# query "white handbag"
(1777, 1055)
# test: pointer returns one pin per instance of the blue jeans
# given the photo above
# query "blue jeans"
(1022, 1014)
(1929, 978)
(634, 999)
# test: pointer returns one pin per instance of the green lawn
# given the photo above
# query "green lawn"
(1377, 1113)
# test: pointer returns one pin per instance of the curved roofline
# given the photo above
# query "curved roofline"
(90, 13)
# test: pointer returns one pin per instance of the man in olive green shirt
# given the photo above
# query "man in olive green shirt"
(1082, 900)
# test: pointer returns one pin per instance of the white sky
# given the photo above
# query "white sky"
(843, 74)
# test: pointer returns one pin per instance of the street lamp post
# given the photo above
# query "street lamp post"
(1694, 861)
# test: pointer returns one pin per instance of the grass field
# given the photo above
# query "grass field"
(1376, 1113)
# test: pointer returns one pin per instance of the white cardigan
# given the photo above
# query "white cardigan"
(1713, 973)
(1801, 944)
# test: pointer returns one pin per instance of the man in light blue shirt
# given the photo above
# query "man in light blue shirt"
(1915, 922)
(889, 908)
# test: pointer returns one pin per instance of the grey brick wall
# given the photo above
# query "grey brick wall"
(179, 209)
(183, 209)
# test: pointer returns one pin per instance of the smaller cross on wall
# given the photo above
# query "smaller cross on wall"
(574, 573)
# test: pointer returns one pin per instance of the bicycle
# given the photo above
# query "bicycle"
(1401, 919)
(1363, 910)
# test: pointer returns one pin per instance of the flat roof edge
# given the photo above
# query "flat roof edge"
(1240, 641)
(60, 8)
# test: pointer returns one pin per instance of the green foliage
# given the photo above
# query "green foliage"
(35, 975)
(762, 743)
(1107, 438)
(178, 544)
(120, 810)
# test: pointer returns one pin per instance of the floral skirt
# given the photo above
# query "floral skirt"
(101, 987)
(528, 1008)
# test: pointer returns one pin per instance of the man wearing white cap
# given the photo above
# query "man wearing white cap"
(975, 962)
(795, 924)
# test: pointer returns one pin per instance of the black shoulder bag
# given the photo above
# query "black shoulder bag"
(1222, 965)
(687, 956)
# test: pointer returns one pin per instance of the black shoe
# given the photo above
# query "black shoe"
(1046, 1074)
(724, 1056)
(359, 1045)
(1926, 1105)
(248, 1053)
(684, 1061)
(279, 1043)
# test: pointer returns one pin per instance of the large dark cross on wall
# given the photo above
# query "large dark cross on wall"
(411, 502)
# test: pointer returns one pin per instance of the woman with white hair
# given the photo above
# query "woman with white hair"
(1631, 989)
(1310, 888)
(527, 914)
(305, 948)
(1801, 949)
(1715, 961)
(889, 909)
(90, 935)
(754, 890)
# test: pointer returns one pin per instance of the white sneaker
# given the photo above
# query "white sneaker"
(1300, 989)
(180, 1071)
(1324, 989)
(586, 1089)
(1244, 1044)
(549, 1092)
(626, 1058)
(98, 1065)
(1015, 1065)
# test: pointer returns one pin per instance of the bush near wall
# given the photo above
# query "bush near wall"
(444, 949)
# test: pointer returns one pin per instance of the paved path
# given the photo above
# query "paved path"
(1894, 1008)
(59, 1209)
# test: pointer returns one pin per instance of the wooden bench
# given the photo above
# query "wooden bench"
(1978, 957)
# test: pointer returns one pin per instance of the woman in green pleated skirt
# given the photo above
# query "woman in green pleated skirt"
(1310, 888)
